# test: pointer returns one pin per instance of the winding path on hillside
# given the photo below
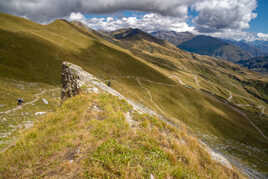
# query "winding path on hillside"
(115, 78)
(251, 122)
(150, 95)
(36, 98)
(197, 83)
(178, 79)
(230, 96)
(262, 108)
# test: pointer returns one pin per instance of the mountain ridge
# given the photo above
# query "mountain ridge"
(259, 64)
(206, 45)
(232, 50)
(173, 37)
(168, 80)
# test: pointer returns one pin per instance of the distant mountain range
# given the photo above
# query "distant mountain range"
(247, 46)
(261, 45)
(174, 37)
(231, 50)
(206, 45)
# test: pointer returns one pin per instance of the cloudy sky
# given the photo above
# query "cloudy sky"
(237, 19)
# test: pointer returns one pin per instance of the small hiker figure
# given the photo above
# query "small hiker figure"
(20, 101)
(109, 83)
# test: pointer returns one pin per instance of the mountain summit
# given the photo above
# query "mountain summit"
(174, 37)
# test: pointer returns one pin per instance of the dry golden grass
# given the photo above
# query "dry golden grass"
(90, 137)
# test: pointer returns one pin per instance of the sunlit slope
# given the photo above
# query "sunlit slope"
(236, 110)
(34, 52)
(219, 99)
(98, 140)
(213, 74)
(161, 76)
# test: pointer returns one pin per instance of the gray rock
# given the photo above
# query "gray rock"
(39, 113)
(44, 101)
(70, 82)
(28, 124)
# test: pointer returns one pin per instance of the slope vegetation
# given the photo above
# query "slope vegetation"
(185, 87)
(97, 140)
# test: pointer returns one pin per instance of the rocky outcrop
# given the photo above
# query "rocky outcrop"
(76, 80)
(70, 81)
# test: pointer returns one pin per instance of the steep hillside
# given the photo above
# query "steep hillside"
(211, 46)
(214, 98)
(259, 64)
(101, 139)
(31, 58)
(221, 79)
(107, 137)
(173, 37)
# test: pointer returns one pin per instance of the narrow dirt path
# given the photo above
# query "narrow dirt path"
(37, 97)
(230, 96)
(182, 83)
(243, 105)
(197, 81)
(178, 79)
(150, 95)
(229, 99)
(262, 108)
(251, 122)
(216, 156)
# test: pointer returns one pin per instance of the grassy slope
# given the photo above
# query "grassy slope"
(102, 144)
(202, 112)
(49, 45)
(44, 58)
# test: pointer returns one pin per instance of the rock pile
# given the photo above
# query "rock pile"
(70, 81)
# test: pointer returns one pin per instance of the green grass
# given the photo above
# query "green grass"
(15, 121)
(102, 144)
(33, 53)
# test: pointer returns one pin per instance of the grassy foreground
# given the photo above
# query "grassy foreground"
(89, 137)
(32, 52)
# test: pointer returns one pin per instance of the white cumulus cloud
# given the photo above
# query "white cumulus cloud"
(45, 10)
(217, 15)
(77, 17)
(149, 22)
(262, 36)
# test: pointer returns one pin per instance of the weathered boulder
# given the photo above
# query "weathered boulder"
(70, 81)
